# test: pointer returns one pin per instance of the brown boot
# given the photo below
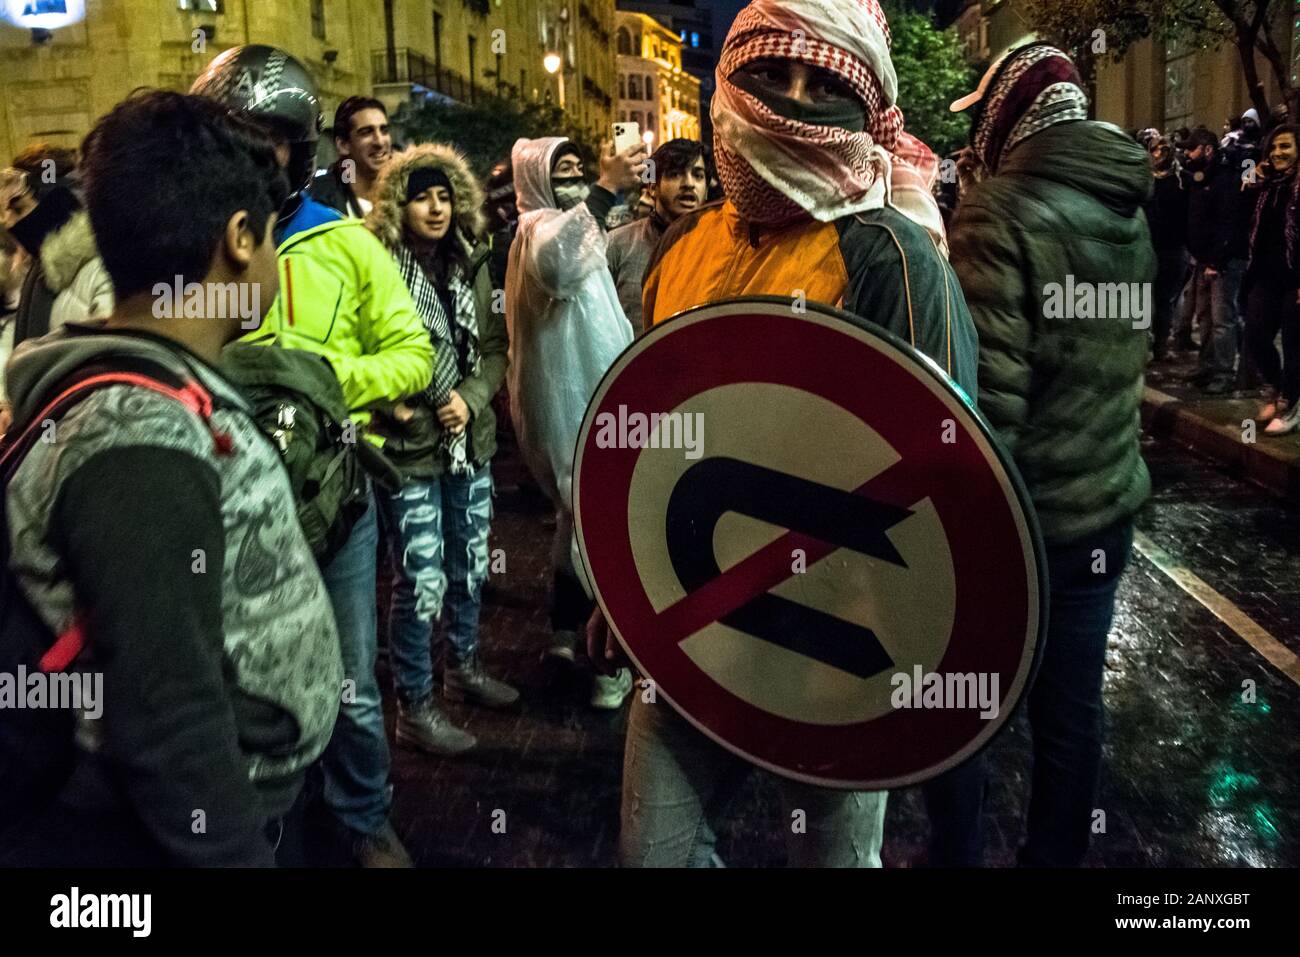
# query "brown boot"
(381, 849)
(469, 682)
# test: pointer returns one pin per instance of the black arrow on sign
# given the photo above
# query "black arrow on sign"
(711, 488)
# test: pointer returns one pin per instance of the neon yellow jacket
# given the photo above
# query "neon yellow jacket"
(342, 297)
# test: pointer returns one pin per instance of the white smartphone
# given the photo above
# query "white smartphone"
(626, 135)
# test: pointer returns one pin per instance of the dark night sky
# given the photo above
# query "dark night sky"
(724, 11)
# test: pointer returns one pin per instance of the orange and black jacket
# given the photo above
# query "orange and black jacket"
(878, 265)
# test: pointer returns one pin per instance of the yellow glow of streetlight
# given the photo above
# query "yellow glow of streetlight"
(552, 62)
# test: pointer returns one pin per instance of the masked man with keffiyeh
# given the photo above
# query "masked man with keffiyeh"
(826, 195)
(1059, 206)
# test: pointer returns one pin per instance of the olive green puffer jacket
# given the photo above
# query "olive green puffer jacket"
(1063, 393)
(412, 446)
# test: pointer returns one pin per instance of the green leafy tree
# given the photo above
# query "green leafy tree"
(486, 131)
(932, 72)
(1096, 29)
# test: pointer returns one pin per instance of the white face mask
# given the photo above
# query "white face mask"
(569, 192)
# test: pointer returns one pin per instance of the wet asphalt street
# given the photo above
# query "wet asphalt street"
(1194, 774)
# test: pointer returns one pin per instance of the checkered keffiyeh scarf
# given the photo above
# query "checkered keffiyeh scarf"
(1037, 87)
(775, 169)
(448, 361)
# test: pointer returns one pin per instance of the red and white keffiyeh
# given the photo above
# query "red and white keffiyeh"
(775, 169)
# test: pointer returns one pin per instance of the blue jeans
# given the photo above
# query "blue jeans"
(437, 531)
(1216, 301)
(954, 802)
(677, 783)
(1065, 706)
(356, 762)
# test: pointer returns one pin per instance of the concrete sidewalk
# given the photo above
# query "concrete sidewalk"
(1219, 427)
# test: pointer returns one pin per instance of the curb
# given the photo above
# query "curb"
(1270, 465)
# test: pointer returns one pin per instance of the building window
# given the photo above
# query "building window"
(649, 87)
(638, 118)
(650, 120)
(318, 19)
(695, 38)
(634, 87)
(1180, 80)
(622, 116)
(624, 41)
(622, 87)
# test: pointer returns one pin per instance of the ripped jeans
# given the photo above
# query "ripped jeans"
(437, 531)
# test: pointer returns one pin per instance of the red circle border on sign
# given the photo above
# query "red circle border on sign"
(991, 538)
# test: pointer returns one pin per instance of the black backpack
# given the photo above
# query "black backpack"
(298, 404)
(36, 745)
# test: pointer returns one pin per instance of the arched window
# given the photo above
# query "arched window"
(634, 87)
(650, 123)
(622, 87)
(638, 119)
(649, 87)
(624, 41)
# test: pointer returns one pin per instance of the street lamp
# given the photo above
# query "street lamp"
(553, 63)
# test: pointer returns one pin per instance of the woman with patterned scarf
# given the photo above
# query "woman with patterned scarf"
(428, 213)
(1273, 280)
(828, 196)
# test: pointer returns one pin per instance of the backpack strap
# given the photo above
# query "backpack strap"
(146, 375)
(135, 372)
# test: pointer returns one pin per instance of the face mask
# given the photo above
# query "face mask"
(845, 115)
(55, 209)
(569, 191)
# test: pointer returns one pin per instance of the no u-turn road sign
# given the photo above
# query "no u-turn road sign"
(802, 533)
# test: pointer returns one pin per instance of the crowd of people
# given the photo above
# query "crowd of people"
(269, 480)
(1222, 220)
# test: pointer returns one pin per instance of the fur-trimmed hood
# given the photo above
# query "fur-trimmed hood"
(385, 220)
(66, 250)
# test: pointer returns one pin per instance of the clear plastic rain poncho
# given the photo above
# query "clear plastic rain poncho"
(566, 324)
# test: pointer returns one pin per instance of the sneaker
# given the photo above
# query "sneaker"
(424, 727)
(608, 694)
(1284, 424)
(471, 683)
(381, 849)
(564, 647)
